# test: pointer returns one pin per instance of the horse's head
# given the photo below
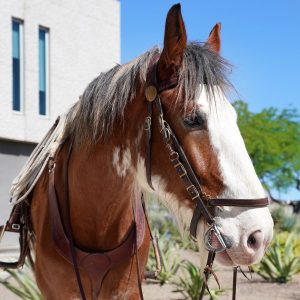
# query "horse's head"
(205, 124)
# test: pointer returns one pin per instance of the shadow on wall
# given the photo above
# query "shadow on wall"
(12, 158)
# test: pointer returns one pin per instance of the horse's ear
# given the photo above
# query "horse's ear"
(214, 39)
(175, 41)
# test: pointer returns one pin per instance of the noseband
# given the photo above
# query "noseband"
(191, 183)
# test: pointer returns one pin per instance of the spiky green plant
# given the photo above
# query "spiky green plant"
(163, 222)
(170, 259)
(21, 284)
(282, 260)
(284, 221)
(190, 284)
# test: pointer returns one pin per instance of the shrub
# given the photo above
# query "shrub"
(283, 221)
(186, 242)
(161, 220)
(23, 285)
(282, 260)
(191, 283)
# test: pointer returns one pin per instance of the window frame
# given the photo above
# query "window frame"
(20, 22)
(46, 30)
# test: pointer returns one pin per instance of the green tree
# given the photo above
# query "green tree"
(272, 138)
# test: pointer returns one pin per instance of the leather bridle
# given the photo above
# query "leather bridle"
(190, 181)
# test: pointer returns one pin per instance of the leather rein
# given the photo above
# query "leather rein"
(188, 177)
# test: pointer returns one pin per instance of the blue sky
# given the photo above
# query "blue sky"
(260, 38)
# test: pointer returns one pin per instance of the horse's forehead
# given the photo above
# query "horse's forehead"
(214, 102)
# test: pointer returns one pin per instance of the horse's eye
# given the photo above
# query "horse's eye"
(196, 121)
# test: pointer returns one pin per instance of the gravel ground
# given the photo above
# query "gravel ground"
(255, 289)
(246, 290)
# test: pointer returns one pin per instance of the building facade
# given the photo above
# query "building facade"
(49, 51)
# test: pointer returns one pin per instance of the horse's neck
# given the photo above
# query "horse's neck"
(102, 187)
(102, 182)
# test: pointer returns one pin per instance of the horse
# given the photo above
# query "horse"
(104, 164)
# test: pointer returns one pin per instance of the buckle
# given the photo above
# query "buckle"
(193, 238)
(180, 169)
(193, 191)
(173, 155)
(51, 164)
(147, 125)
(166, 134)
(15, 226)
(213, 229)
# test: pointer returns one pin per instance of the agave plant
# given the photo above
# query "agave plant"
(163, 222)
(170, 259)
(190, 284)
(284, 221)
(22, 284)
(282, 260)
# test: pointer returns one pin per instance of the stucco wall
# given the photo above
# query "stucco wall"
(12, 157)
(84, 40)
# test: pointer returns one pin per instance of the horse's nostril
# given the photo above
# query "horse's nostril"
(255, 240)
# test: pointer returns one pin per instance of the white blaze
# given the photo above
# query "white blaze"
(238, 176)
(236, 168)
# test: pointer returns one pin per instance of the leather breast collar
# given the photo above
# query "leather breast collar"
(95, 264)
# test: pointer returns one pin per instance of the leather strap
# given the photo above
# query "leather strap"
(95, 264)
(156, 249)
(253, 203)
(65, 208)
(18, 222)
(14, 222)
(206, 274)
(234, 282)
(148, 131)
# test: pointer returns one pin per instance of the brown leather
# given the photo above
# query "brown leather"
(207, 271)
(95, 264)
(14, 222)
(254, 203)
(234, 283)
(19, 216)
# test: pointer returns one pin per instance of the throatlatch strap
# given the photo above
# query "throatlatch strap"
(148, 129)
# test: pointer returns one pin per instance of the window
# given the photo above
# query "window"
(17, 64)
(43, 71)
